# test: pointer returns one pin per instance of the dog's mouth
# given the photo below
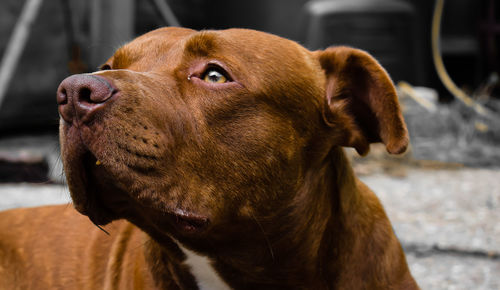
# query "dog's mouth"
(188, 222)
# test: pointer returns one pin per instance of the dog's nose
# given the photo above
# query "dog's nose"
(80, 96)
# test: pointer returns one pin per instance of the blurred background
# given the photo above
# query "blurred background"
(443, 195)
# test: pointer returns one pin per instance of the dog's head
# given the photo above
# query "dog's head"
(191, 132)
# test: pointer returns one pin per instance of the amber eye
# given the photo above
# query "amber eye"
(213, 75)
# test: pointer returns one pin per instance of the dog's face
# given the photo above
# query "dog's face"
(201, 131)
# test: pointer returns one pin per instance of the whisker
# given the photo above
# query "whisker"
(101, 228)
(265, 236)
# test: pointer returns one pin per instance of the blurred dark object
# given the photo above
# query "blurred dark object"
(23, 168)
(490, 35)
(275, 16)
(384, 28)
(30, 158)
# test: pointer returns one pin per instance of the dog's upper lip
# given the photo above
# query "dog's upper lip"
(96, 194)
(100, 212)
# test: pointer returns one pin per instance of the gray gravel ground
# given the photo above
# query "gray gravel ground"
(29, 195)
(454, 271)
(449, 224)
(447, 220)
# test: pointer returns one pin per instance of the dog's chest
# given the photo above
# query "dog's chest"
(201, 268)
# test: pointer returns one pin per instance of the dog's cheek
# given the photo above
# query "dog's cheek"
(256, 157)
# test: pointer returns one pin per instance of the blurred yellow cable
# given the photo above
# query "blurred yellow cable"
(408, 90)
(439, 65)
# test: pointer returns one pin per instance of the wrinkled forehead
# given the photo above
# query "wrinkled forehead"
(233, 46)
(149, 49)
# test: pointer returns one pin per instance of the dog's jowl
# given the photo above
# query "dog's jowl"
(214, 160)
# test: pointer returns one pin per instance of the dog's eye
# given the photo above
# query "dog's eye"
(213, 75)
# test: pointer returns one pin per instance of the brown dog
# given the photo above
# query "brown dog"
(223, 151)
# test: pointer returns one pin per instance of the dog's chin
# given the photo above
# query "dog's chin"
(97, 214)
(92, 195)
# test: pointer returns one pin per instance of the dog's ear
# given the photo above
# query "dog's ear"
(361, 101)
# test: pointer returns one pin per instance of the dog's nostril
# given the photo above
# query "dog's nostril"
(85, 95)
(62, 97)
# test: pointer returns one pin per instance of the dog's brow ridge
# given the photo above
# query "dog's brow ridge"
(201, 44)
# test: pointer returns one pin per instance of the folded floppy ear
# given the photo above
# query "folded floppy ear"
(361, 101)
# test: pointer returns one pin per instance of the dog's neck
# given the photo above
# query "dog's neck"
(297, 245)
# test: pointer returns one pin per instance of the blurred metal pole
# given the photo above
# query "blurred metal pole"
(112, 25)
(167, 13)
(16, 44)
